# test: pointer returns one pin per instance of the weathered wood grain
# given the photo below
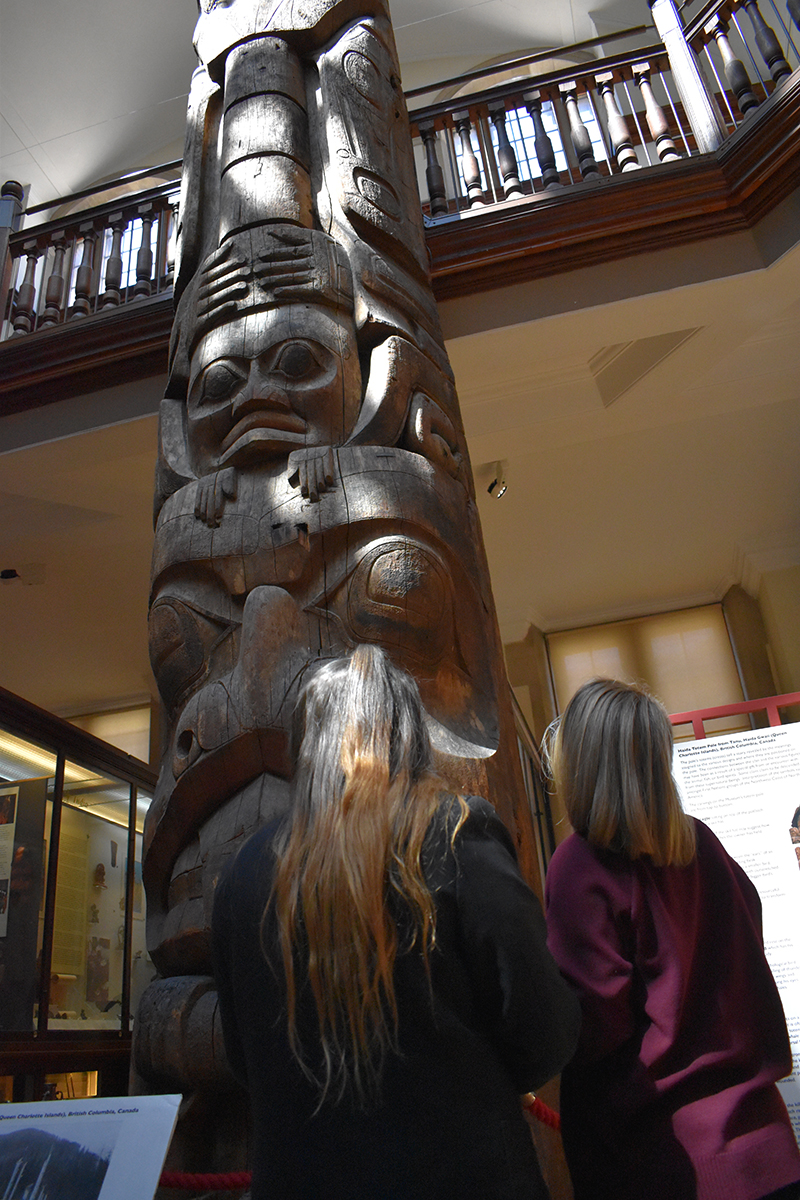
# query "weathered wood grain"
(313, 486)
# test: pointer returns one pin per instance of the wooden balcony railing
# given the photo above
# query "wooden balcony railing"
(627, 110)
(554, 167)
(106, 256)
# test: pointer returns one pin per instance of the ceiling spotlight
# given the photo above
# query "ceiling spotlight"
(498, 487)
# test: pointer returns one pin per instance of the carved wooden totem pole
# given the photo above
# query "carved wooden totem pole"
(313, 487)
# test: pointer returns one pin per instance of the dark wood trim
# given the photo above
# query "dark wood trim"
(111, 184)
(761, 161)
(27, 720)
(60, 1052)
(668, 205)
(86, 354)
(540, 56)
(45, 964)
(127, 949)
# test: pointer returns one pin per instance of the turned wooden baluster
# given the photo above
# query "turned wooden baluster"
(174, 214)
(54, 295)
(84, 280)
(621, 140)
(657, 122)
(506, 158)
(144, 259)
(767, 43)
(543, 147)
(12, 195)
(470, 167)
(794, 11)
(578, 132)
(25, 304)
(111, 297)
(735, 71)
(434, 174)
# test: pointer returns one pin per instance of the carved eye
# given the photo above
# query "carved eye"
(296, 359)
(183, 641)
(220, 381)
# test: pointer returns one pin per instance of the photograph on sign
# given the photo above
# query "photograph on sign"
(89, 1149)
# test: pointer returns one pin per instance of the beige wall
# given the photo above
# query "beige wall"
(529, 675)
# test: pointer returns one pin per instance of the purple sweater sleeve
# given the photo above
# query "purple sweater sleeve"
(588, 919)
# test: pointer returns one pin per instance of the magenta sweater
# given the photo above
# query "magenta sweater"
(671, 1094)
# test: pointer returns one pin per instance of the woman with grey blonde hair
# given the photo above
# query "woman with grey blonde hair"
(385, 989)
(671, 1094)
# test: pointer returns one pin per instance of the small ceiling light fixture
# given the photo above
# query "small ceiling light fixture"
(498, 487)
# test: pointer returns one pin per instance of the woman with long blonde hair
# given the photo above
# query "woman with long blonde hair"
(671, 1094)
(384, 985)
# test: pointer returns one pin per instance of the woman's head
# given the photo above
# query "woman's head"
(612, 767)
(358, 723)
(350, 861)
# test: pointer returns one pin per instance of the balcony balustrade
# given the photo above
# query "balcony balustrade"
(103, 257)
(569, 159)
(679, 96)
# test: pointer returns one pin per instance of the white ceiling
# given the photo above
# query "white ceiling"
(661, 499)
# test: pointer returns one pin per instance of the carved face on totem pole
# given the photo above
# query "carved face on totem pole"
(282, 380)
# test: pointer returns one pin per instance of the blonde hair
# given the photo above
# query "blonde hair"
(611, 762)
(364, 792)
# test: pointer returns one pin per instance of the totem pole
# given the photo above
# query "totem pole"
(313, 489)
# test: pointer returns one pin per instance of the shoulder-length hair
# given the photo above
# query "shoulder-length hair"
(611, 762)
(364, 792)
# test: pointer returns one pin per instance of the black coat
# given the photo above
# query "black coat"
(497, 1021)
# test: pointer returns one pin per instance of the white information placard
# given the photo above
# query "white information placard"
(97, 1149)
(746, 788)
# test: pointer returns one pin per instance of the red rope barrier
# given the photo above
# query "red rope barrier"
(236, 1180)
(543, 1113)
(231, 1182)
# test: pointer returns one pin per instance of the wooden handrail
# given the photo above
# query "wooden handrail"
(98, 213)
(467, 77)
(528, 59)
(549, 79)
(109, 185)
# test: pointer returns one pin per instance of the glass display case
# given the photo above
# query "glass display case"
(73, 956)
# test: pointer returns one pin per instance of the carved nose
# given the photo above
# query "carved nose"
(260, 395)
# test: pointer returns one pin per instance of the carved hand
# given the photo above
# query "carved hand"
(312, 470)
(212, 493)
